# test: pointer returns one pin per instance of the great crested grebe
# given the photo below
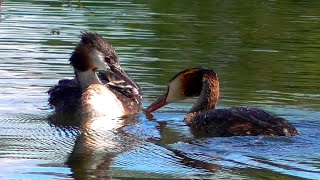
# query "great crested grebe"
(109, 93)
(205, 120)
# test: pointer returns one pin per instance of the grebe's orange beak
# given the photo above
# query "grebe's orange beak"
(158, 103)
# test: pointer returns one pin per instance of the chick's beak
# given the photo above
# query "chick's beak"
(122, 75)
(157, 104)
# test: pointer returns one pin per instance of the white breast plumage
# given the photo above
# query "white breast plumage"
(97, 100)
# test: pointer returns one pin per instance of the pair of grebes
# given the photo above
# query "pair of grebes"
(102, 88)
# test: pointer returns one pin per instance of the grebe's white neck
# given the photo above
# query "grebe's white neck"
(87, 78)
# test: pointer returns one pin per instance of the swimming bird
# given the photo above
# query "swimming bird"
(203, 117)
(109, 92)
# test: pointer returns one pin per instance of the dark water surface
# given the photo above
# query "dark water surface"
(265, 52)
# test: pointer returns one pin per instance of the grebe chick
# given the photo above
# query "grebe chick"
(205, 120)
(108, 93)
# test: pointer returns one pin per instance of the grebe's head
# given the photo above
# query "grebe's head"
(95, 53)
(184, 85)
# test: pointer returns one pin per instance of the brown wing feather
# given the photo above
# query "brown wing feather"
(65, 96)
(239, 122)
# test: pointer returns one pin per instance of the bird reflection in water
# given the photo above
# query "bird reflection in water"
(96, 146)
(95, 149)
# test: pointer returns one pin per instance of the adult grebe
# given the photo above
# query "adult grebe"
(110, 93)
(205, 120)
